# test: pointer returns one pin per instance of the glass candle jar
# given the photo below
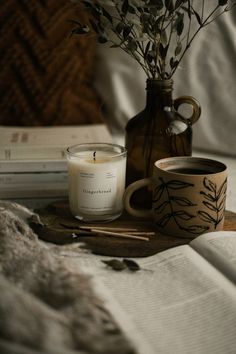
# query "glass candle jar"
(96, 174)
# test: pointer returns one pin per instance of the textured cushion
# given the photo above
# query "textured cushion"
(208, 73)
(46, 75)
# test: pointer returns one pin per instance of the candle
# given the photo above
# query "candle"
(96, 181)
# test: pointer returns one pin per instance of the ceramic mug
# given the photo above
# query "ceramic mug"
(188, 196)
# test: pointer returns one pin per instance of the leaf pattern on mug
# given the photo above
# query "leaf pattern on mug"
(160, 208)
(158, 192)
(171, 202)
(163, 221)
(183, 215)
(214, 201)
(176, 184)
(206, 217)
(197, 229)
(210, 206)
(182, 201)
(209, 185)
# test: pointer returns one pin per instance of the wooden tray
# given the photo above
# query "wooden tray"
(60, 226)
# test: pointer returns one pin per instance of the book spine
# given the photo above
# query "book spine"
(19, 143)
(26, 180)
(33, 166)
(35, 193)
(37, 202)
(29, 152)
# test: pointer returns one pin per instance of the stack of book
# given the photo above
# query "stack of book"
(33, 160)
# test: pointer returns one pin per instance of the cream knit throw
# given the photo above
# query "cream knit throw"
(44, 308)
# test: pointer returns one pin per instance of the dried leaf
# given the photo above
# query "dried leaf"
(102, 39)
(223, 2)
(147, 49)
(169, 5)
(179, 3)
(119, 265)
(163, 51)
(132, 46)
(198, 17)
(179, 24)
(132, 265)
(115, 264)
(126, 31)
(173, 63)
(178, 49)
(120, 27)
(107, 15)
(125, 7)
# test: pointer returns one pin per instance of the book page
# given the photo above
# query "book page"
(219, 248)
(177, 303)
(47, 142)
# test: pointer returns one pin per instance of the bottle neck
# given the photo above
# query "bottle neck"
(159, 92)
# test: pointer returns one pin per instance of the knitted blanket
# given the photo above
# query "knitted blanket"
(46, 75)
(45, 307)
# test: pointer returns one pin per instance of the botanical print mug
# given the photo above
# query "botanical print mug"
(189, 195)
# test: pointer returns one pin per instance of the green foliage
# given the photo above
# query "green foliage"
(156, 33)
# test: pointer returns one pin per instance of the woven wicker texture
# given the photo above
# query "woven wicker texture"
(45, 74)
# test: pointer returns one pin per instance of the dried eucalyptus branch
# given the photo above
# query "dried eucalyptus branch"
(156, 33)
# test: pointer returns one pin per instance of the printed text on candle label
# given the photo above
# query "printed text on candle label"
(97, 190)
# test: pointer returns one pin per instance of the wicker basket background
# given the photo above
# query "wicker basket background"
(45, 74)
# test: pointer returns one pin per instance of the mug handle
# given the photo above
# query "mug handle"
(143, 213)
(192, 102)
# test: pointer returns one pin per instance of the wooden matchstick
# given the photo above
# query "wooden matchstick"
(108, 228)
(116, 234)
(140, 233)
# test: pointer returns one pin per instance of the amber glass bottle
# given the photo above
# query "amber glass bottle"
(157, 132)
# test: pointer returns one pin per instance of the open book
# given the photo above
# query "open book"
(183, 300)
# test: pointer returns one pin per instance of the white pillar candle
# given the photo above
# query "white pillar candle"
(96, 181)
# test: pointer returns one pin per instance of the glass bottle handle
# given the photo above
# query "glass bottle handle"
(192, 102)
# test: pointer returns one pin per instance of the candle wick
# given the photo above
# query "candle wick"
(94, 156)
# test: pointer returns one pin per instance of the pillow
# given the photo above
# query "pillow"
(46, 75)
(208, 73)
(121, 86)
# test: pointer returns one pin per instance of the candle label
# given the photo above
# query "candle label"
(97, 190)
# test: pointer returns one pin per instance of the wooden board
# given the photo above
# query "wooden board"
(60, 227)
